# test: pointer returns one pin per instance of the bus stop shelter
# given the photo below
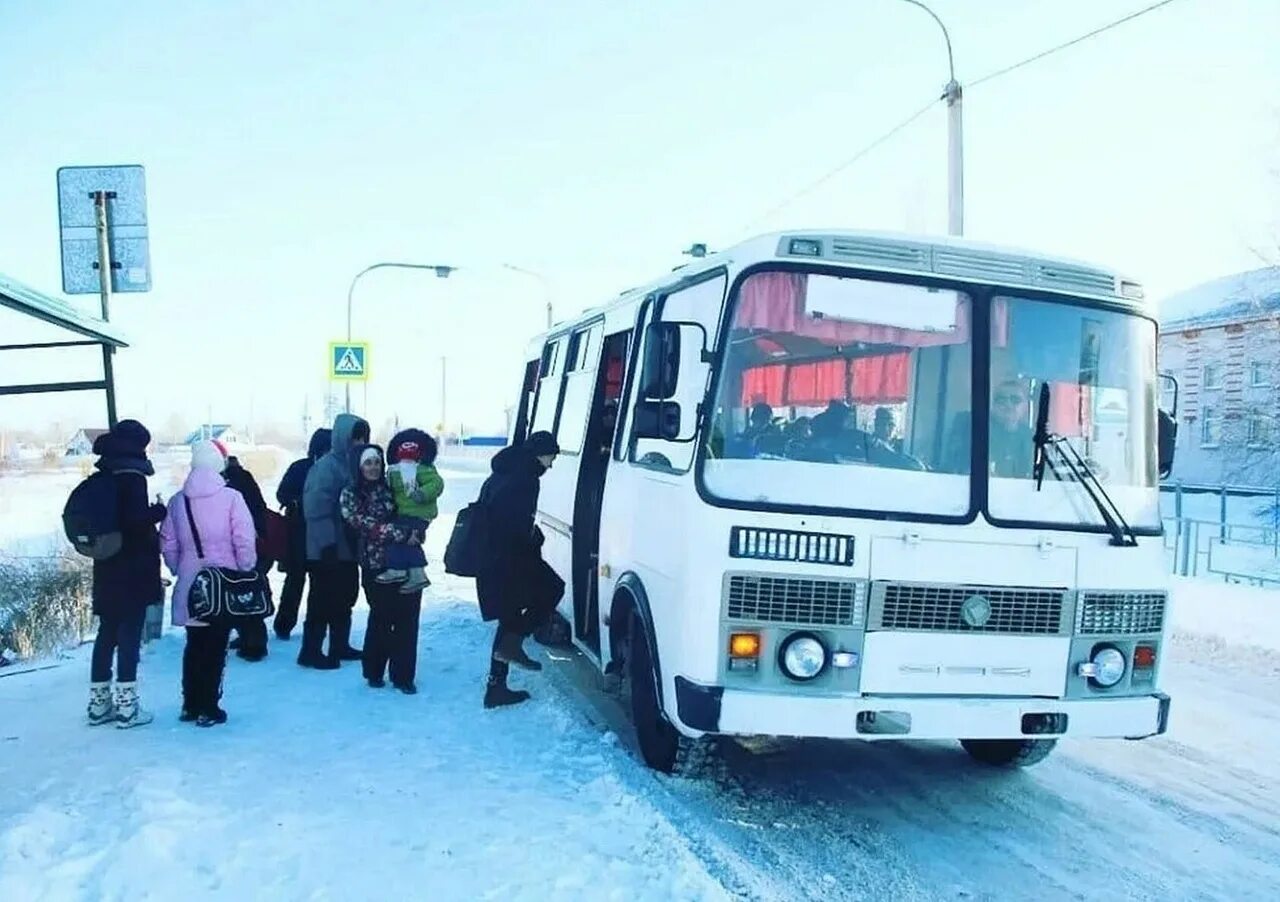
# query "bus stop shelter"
(88, 331)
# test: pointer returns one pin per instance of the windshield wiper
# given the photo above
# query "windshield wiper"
(1044, 442)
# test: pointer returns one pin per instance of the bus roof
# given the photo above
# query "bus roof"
(903, 253)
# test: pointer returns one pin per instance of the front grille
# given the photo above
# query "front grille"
(1120, 613)
(940, 608)
(787, 545)
(809, 602)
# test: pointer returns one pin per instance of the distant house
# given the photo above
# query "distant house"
(81, 444)
(217, 431)
(1221, 341)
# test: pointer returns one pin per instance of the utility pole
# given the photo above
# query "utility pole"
(444, 393)
(955, 158)
(953, 94)
(100, 199)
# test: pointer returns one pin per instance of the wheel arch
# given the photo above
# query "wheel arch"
(630, 598)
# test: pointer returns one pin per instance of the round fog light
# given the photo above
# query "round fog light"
(802, 657)
(1109, 666)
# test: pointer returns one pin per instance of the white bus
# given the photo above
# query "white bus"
(863, 486)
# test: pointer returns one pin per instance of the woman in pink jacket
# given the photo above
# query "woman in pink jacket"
(228, 539)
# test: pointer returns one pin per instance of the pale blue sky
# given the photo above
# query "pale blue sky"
(288, 144)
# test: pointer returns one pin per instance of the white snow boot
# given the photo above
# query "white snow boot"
(101, 708)
(129, 713)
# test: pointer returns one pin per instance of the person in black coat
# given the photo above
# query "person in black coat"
(515, 586)
(251, 636)
(289, 494)
(127, 583)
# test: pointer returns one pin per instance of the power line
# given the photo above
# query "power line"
(1071, 43)
(828, 176)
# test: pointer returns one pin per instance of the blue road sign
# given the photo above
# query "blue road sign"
(349, 361)
(126, 228)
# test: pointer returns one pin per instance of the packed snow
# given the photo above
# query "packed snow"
(320, 788)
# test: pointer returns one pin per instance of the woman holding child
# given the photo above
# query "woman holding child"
(369, 507)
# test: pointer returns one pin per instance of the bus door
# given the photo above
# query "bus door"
(597, 447)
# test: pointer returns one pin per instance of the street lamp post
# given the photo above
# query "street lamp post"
(543, 281)
(954, 96)
(442, 272)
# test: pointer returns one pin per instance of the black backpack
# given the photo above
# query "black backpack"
(470, 541)
(91, 517)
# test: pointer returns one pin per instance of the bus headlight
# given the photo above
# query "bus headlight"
(802, 656)
(1106, 668)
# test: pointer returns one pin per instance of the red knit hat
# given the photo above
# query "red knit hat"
(408, 451)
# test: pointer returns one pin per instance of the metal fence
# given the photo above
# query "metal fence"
(1240, 543)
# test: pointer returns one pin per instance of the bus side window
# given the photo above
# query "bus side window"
(701, 304)
(547, 400)
(528, 388)
(579, 386)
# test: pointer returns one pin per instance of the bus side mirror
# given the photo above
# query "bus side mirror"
(658, 420)
(663, 349)
(1167, 436)
(661, 372)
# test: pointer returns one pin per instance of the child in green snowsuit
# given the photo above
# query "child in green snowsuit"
(416, 486)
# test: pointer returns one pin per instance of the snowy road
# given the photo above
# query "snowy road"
(1195, 814)
(321, 788)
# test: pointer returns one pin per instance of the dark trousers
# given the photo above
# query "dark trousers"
(523, 622)
(253, 637)
(290, 601)
(392, 634)
(253, 632)
(203, 662)
(119, 638)
(335, 588)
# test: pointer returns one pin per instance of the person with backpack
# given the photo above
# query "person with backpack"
(514, 585)
(294, 565)
(110, 518)
(250, 643)
(369, 510)
(331, 553)
(207, 524)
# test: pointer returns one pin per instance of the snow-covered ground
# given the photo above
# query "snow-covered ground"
(322, 788)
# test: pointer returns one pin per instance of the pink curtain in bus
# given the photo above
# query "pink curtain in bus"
(775, 302)
(1070, 409)
(867, 380)
(764, 385)
(880, 380)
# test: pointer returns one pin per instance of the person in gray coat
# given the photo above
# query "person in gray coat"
(331, 552)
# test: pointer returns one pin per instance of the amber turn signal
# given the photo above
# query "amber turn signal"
(744, 645)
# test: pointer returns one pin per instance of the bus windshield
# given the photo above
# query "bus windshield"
(854, 394)
(1099, 368)
(844, 393)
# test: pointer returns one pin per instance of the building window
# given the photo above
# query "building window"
(1212, 375)
(1259, 374)
(1210, 428)
(1259, 428)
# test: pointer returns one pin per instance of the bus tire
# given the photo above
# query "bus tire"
(1009, 752)
(663, 747)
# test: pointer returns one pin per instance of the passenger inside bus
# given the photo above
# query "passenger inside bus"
(1012, 451)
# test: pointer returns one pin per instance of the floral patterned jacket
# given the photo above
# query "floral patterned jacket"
(371, 512)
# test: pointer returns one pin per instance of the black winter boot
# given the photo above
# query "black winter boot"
(498, 695)
(510, 650)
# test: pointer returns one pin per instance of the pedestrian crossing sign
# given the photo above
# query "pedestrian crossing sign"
(348, 361)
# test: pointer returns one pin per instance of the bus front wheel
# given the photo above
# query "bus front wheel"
(1009, 752)
(659, 740)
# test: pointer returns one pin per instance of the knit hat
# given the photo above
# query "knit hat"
(542, 444)
(408, 451)
(370, 453)
(209, 455)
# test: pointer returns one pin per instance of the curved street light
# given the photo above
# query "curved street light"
(954, 96)
(441, 271)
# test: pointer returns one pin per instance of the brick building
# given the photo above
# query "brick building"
(1221, 341)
